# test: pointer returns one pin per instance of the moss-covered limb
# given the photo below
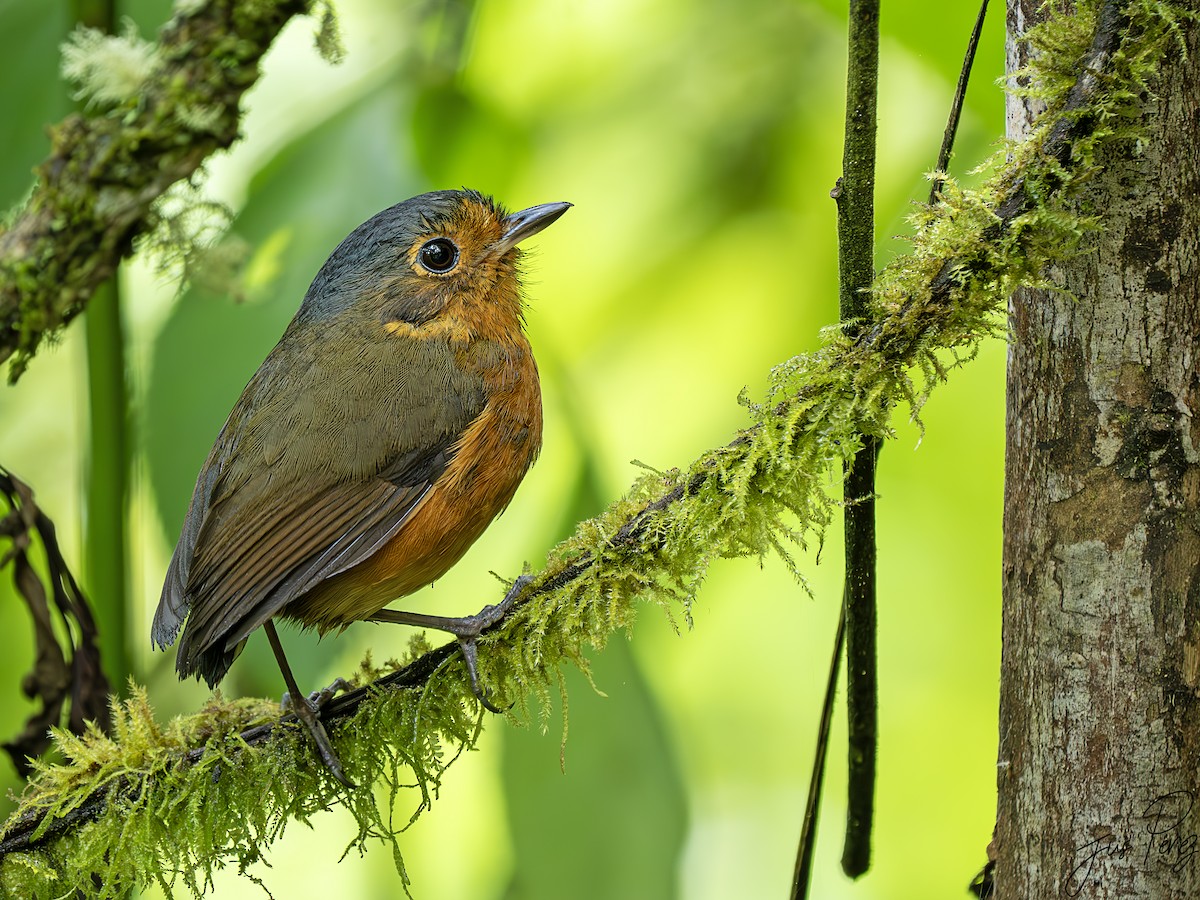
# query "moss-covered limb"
(105, 170)
(183, 800)
(1016, 228)
(173, 804)
(255, 723)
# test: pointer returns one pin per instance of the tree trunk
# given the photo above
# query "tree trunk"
(1099, 764)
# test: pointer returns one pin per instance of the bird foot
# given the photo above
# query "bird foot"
(324, 695)
(307, 711)
(466, 629)
(473, 626)
(318, 699)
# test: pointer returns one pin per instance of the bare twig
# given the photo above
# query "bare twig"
(802, 875)
(856, 271)
(956, 106)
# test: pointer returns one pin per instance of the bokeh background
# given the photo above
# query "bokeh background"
(698, 142)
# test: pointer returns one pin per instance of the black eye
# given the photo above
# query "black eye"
(438, 255)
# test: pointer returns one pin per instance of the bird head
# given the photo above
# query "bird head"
(446, 256)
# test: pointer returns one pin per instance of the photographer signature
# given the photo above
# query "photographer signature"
(1163, 842)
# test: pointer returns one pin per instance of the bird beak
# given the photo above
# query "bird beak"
(527, 223)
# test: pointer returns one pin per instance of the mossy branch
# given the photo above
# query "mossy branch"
(172, 804)
(159, 112)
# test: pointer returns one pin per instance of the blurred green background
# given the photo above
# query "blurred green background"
(698, 142)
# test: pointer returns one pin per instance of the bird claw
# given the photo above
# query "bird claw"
(324, 695)
(470, 653)
(470, 629)
(317, 699)
(466, 629)
(307, 711)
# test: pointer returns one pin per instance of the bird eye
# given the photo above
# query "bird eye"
(438, 255)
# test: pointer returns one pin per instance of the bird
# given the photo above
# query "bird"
(388, 427)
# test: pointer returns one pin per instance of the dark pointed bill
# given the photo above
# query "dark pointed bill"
(527, 223)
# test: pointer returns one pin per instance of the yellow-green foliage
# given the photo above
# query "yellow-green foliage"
(176, 823)
(171, 823)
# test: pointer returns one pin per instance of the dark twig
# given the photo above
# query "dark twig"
(856, 270)
(60, 674)
(862, 676)
(802, 877)
(960, 93)
(861, 563)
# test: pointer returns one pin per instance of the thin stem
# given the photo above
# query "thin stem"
(106, 551)
(862, 677)
(802, 877)
(960, 93)
(856, 270)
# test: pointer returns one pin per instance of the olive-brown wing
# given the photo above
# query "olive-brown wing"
(313, 472)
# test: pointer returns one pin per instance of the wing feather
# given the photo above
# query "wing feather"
(226, 611)
(318, 466)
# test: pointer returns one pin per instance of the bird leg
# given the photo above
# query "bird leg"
(465, 628)
(306, 711)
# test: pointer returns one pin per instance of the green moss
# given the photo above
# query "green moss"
(176, 822)
(155, 113)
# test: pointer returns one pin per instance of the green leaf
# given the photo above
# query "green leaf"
(618, 799)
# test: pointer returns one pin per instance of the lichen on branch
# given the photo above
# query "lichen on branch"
(171, 805)
(156, 112)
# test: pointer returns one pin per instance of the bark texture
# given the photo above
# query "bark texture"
(1099, 764)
